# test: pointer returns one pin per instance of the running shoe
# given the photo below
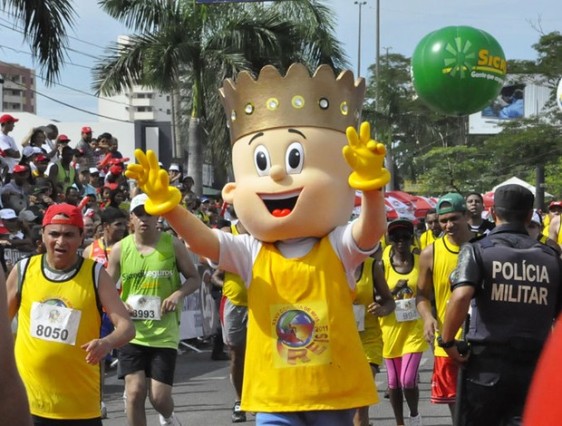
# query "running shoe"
(238, 416)
(416, 421)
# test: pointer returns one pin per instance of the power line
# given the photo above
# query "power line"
(38, 75)
(71, 106)
(69, 36)
(67, 47)
(30, 54)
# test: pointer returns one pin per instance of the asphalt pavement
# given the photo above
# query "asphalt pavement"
(204, 396)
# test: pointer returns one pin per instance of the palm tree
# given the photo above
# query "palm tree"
(45, 25)
(187, 48)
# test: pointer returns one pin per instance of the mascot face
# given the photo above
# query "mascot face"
(290, 183)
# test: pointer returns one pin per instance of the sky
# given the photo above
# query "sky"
(516, 25)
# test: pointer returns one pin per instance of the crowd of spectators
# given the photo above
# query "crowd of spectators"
(47, 168)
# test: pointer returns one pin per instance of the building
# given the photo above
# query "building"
(17, 88)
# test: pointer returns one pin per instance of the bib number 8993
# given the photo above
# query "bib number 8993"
(143, 313)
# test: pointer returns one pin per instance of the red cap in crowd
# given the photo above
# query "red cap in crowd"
(42, 158)
(63, 214)
(115, 170)
(86, 129)
(63, 138)
(18, 168)
(555, 204)
(7, 118)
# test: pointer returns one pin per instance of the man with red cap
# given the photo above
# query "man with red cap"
(7, 143)
(84, 146)
(58, 297)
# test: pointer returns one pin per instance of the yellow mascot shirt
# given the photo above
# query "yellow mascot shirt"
(54, 320)
(303, 351)
(445, 255)
(402, 335)
(370, 332)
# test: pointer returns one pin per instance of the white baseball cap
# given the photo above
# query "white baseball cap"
(7, 214)
(174, 168)
(138, 201)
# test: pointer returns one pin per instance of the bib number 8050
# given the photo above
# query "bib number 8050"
(55, 333)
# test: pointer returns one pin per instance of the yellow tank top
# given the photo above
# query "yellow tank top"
(371, 336)
(404, 337)
(233, 287)
(546, 225)
(59, 382)
(445, 255)
(303, 351)
(426, 239)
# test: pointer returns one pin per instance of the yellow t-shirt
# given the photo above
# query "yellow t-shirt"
(371, 336)
(401, 337)
(59, 382)
(445, 255)
(303, 351)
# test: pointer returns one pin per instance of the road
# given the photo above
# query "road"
(204, 396)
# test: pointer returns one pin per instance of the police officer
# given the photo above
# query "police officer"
(512, 284)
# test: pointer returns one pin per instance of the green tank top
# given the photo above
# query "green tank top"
(147, 277)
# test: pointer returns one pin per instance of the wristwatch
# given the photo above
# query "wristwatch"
(445, 345)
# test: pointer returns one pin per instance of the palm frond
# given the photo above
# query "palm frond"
(45, 26)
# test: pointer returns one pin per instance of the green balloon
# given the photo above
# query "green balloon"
(458, 70)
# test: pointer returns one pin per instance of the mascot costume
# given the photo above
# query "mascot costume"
(294, 191)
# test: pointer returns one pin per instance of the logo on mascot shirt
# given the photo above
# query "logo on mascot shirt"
(302, 336)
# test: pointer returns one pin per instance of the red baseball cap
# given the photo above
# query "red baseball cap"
(555, 204)
(19, 168)
(7, 118)
(115, 170)
(71, 215)
(63, 138)
(42, 158)
(86, 129)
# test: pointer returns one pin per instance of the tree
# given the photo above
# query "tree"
(45, 24)
(189, 48)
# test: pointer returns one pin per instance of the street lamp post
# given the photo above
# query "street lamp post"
(360, 4)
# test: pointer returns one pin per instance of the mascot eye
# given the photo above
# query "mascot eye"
(261, 160)
(295, 158)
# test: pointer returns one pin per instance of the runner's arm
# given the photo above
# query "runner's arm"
(124, 330)
(387, 304)
(425, 293)
(187, 268)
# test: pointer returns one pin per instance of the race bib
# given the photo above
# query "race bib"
(359, 313)
(406, 310)
(145, 307)
(54, 323)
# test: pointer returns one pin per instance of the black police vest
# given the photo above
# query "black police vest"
(517, 299)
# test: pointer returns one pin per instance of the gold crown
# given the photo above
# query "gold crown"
(296, 100)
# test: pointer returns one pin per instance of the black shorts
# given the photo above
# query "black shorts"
(42, 421)
(157, 363)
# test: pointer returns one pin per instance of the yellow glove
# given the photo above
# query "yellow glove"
(154, 182)
(366, 157)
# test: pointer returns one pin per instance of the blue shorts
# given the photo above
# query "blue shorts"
(307, 418)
